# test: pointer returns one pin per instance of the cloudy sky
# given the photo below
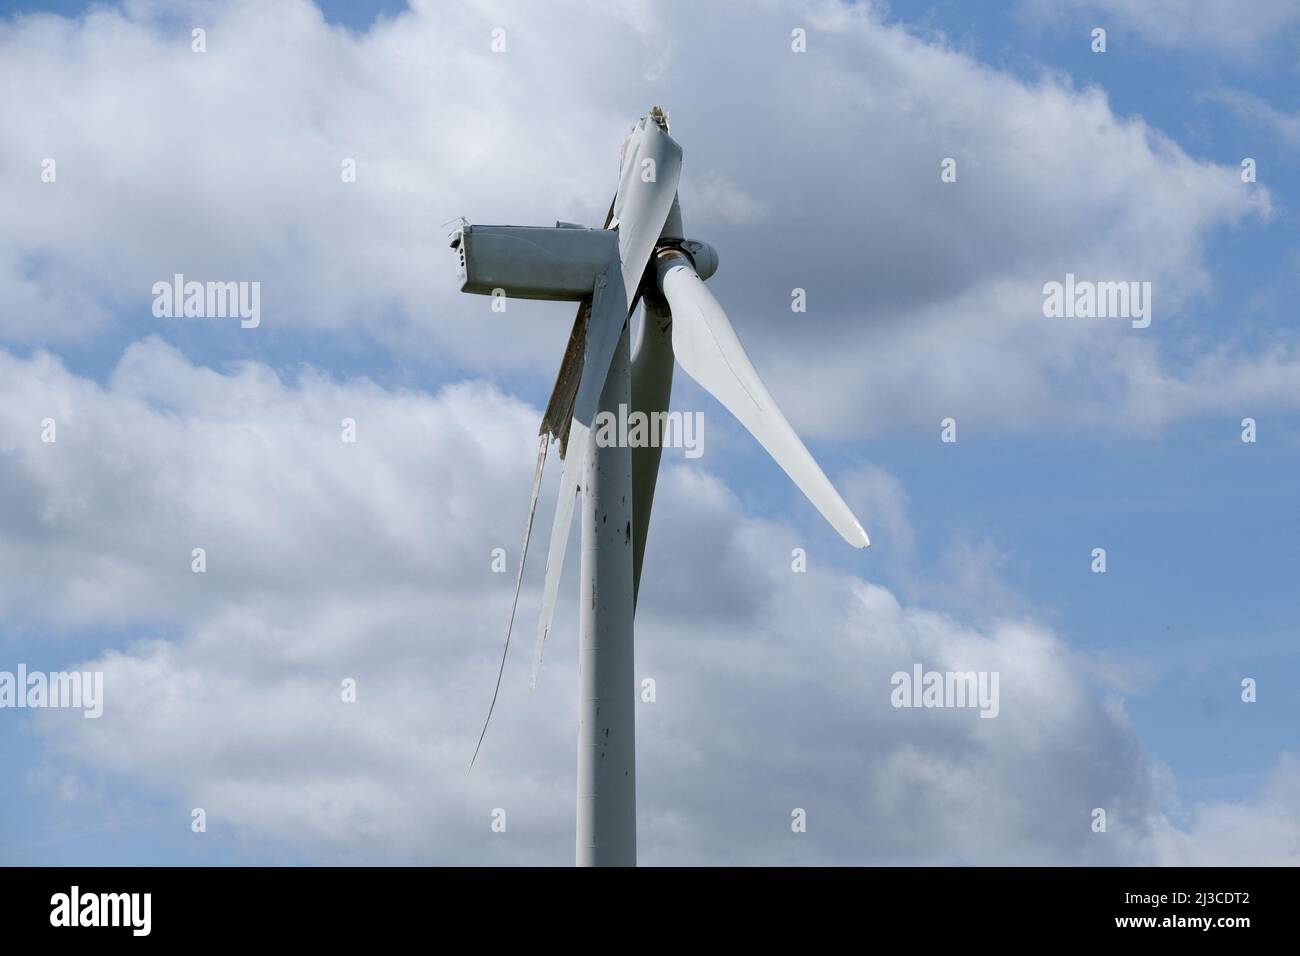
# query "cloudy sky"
(817, 170)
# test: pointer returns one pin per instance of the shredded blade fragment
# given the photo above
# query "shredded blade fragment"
(559, 410)
(542, 448)
(573, 466)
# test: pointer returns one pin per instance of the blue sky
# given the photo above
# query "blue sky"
(1200, 529)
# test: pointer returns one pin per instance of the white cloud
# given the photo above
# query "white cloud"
(1260, 111)
(371, 561)
(169, 457)
(1207, 26)
(714, 196)
(1263, 830)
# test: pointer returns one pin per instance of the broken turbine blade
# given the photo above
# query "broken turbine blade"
(519, 580)
(647, 190)
(573, 465)
(604, 329)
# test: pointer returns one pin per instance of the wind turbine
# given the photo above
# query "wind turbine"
(641, 254)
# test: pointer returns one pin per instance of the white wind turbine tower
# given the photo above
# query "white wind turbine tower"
(641, 254)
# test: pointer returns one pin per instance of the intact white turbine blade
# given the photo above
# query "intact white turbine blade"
(706, 346)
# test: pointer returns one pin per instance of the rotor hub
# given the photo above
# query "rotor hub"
(702, 256)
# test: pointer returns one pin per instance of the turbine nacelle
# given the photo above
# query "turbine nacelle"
(558, 262)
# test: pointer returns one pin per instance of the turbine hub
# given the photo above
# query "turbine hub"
(702, 256)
